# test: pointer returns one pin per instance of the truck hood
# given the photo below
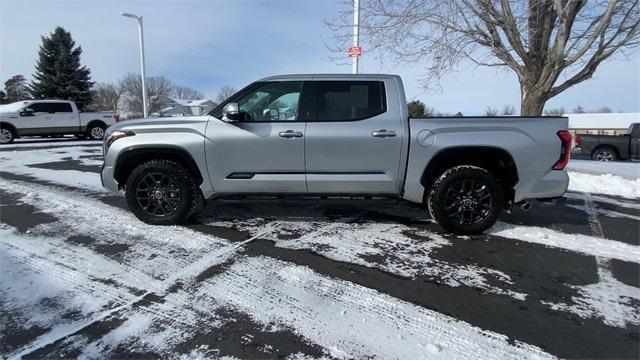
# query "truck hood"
(162, 122)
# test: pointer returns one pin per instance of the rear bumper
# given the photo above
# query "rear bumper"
(108, 180)
(552, 184)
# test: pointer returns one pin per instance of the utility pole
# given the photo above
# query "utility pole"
(357, 51)
(145, 108)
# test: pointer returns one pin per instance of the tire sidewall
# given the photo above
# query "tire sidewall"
(437, 195)
(182, 180)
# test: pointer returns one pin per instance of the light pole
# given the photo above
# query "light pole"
(356, 34)
(144, 85)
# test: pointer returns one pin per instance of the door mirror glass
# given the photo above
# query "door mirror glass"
(231, 112)
(27, 112)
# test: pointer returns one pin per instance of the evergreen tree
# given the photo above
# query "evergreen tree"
(16, 89)
(416, 108)
(59, 74)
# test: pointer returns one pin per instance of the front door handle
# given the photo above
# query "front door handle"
(383, 133)
(290, 134)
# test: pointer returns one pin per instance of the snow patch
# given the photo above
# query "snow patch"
(583, 244)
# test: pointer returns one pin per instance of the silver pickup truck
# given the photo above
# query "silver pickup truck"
(336, 135)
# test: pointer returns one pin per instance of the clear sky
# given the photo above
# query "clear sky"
(207, 44)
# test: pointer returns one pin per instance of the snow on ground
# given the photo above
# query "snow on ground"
(584, 244)
(22, 163)
(339, 316)
(391, 247)
(609, 299)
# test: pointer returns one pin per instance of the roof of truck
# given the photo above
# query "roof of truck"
(328, 77)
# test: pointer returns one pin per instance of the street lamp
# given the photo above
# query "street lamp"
(144, 86)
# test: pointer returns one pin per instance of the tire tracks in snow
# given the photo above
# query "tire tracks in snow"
(72, 209)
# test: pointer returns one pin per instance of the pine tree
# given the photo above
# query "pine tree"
(59, 74)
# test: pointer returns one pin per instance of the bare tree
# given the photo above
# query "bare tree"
(157, 87)
(185, 92)
(508, 110)
(551, 45)
(489, 111)
(105, 97)
(579, 110)
(604, 110)
(555, 112)
(224, 93)
(16, 89)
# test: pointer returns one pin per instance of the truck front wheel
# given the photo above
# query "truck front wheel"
(465, 200)
(161, 192)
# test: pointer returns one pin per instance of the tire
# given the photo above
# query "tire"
(161, 192)
(7, 135)
(465, 200)
(96, 131)
(606, 153)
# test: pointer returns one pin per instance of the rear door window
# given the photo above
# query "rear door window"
(350, 100)
(60, 107)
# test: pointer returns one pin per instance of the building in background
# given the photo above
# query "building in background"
(181, 107)
(602, 123)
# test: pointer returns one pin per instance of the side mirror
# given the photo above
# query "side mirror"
(27, 112)
(231, 113)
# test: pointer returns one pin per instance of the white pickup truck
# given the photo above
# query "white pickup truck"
(51, 117)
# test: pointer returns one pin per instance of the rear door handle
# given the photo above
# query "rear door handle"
(290, 134)
(384, 133)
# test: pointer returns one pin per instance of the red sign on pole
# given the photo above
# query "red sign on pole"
(355, 51)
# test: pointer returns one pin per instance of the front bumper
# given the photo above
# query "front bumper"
(108, 180)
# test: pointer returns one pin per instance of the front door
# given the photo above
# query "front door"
(263, 153)
(354, 146)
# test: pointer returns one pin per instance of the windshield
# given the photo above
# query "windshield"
(13, 106)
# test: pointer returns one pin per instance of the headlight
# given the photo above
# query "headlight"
(113, 136)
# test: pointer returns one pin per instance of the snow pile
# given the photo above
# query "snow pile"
(604, 184)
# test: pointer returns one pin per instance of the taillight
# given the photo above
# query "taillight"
(565, 150)
(116, 117)
(578, 141)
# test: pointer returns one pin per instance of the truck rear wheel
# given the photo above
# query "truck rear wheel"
(465, 200)
(604, 154)
(161, 192)
(96, 131)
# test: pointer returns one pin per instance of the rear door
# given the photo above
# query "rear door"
(62, 118)
(354, 145)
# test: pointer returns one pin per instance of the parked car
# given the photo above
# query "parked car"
(336, 135)
(51, 117)
(611, 147)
